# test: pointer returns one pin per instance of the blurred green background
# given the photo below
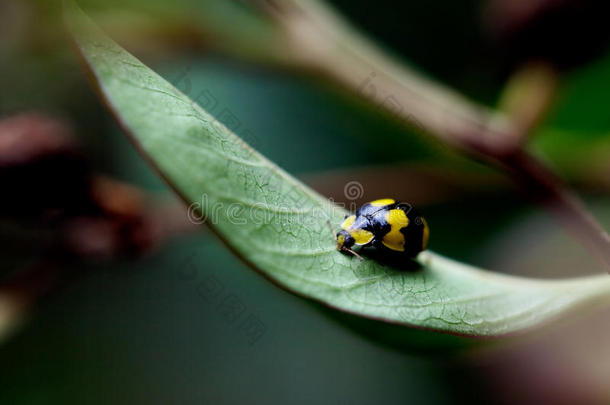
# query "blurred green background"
(143, 330)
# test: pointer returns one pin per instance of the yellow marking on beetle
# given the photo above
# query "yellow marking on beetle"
(340, 241)
(425, 236)
(361, 236)
(382, 203)
(394, 239)
(349, 221)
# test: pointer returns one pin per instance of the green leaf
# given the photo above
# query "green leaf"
(575, 134)
(279, 226)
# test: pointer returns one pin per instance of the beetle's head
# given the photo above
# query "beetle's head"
(344, 240)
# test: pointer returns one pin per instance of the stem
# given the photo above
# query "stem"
(541, 184)
(323, 41)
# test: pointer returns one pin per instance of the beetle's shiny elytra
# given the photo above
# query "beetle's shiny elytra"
(387, 225)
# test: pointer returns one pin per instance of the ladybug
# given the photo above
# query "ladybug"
(390, 226)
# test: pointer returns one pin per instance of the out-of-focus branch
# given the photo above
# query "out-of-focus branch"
(546, 188)
(47, 183)
(421, 183)
(53, 204)
(324, 42)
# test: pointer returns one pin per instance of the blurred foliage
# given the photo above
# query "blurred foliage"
(575, 134)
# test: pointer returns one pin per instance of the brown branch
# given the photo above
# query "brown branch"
(72, 215)
(324, 42)
(546, 188)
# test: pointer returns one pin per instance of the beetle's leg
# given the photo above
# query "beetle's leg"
(353, 253)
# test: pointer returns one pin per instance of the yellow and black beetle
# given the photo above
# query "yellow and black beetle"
(386, 224)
